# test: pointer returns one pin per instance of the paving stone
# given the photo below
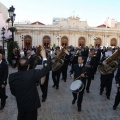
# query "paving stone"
(58, 104)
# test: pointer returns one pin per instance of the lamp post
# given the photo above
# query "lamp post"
(22, 37)
(3, 37)
(58, 37)
(12, 18)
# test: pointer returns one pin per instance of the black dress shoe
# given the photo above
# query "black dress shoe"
(57, 87)
(53, 86)
(1, 108)
(100, 93)
(43, 100)
(87, 91)
(108, 97)
(73, 102)
(79, 109)
(114, 107)
(64, 80)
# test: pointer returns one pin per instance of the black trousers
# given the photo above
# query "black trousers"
(117, 98)
(106, 82)
(64, 72)
(3, 96)
(88, 84)
(44, 87)
(32, 115)
(79, 96)
(56, 77)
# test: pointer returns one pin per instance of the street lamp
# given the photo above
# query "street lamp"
(3, 37)
(22, 37)
(12, 18)
(58, 37)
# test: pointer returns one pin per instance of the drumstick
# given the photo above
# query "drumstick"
(80, 75)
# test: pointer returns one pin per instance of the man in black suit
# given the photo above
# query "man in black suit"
(79, 72)
(3, 81)
(117, 97)
(23, 87)
(44, 87)
(90, 68)
(65, 67)
(14, 58)
(44, 82)
(106, 79)
(56, 73)
(31, 60)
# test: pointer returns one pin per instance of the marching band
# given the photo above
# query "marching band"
(83, 62)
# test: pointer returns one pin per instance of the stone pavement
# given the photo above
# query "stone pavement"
(58, 104)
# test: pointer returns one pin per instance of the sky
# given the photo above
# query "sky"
(94, 11)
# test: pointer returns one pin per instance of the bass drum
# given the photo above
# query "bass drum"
(76, 86)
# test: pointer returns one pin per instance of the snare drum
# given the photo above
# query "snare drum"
(76, 86)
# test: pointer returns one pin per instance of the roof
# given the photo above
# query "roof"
(37, 23)
(103, 26)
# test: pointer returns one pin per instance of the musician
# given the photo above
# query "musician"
(106, 79)
(14, 58)
(23, 87)
(117, 97)
(78, 70)
(56, 74)
(44, 86)
(90, 63)
(65, 67)
(31, 60)
(3, 81)
(74, 59)
(97, 57)
(103, 51)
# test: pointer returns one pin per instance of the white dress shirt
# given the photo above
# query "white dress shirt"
(0, 61)
(80, 65)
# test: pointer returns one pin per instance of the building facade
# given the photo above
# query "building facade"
(70, 31)
(3, 18)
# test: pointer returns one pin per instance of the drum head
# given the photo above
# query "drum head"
(75, 85)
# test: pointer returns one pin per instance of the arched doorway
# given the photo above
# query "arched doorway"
(46, 41)
(27, 42)
(97, 42)
(113, 42)
(81, 42)
(64, 41)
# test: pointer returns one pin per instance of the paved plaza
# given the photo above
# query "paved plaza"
(58, 104)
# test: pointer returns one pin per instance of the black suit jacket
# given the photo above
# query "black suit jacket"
(3, 73)
(32, 62)
(90, 70)
(77, 71)
(23, 87)
(117, 77)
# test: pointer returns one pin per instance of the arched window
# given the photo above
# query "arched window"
(81, 42)
(97, 42)
(27, 42)
(64, 41)
(46, 41)
(113, 42)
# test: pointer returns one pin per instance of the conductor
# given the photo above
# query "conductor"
(23, 87)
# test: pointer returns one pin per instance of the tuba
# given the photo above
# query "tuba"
(111, 62)
(37, 56)
(58, 60)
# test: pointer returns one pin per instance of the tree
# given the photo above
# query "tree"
(9, 48)
(12, 29)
